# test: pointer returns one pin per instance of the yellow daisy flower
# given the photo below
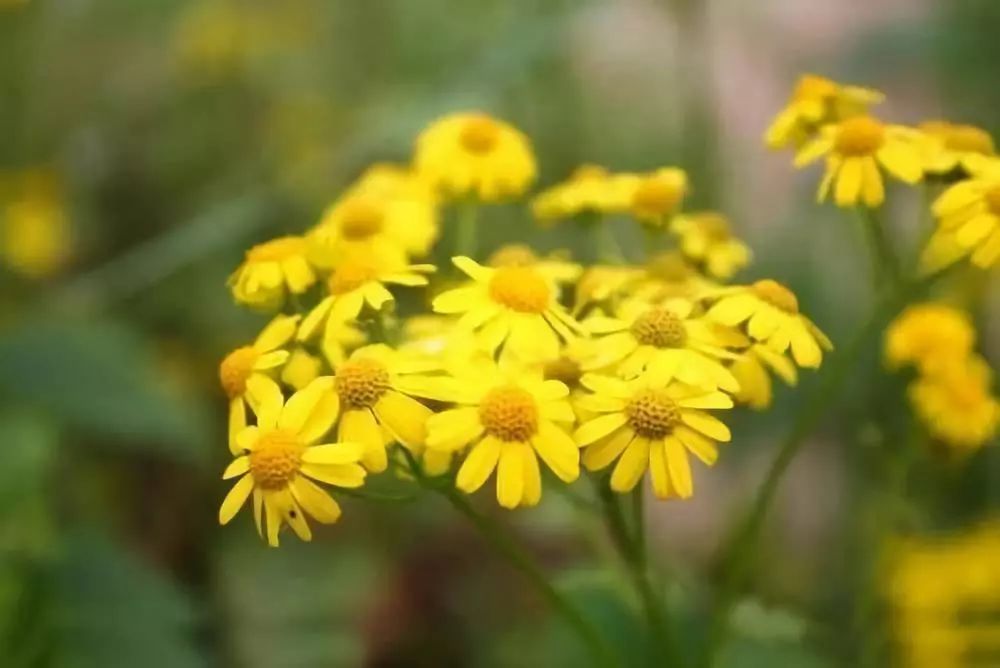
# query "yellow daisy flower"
(969, 214)
(357, 281)
(657, 196)
(951, 147)
(590, 189)
(600, 284)
(474, 154)
(957, 405)
(513, 306)
(512, 419)
(751, 370)
(277, 462)
(707, 239)
(771, 313)
(855, 149)
(815, 102)
(668, 341)
(270, 271)
(930, 336)
(647, 425)
(244, 377)
(554, 267)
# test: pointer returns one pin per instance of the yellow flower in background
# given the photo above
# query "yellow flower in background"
(647, 425)
(771, 313)
(815, 102)
(270, 271)
(301, 369)
(473, 154)
(602, 283)
(956, 403)
(511, 418)
(666, 341)
(657, 196)
(968, 215)
(590, 189)
(670, 275)
(244, 373)
(278, 460)
(856, 151)
(707, 239)
(951, 146)
(929, 336)
(437, 337)
(751, 370)
(553, 267)
(513, 306)
(35, 237)
(395, 181)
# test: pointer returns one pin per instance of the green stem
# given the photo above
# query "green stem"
(606, 250)
(465, 230)
(886, 267)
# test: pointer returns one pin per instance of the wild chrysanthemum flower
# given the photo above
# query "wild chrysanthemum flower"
(270, 271)
(511, 419)
(657, 196)
(244, 376)
(771, 313)
(929, 336)
(751, 370)
(707, 239)
(512, 306)
(473, 154)
(952, 147)
(357, 281)
(968, 216)
(277, 462)
(855, 149)
(590, 189)
(668, 341)
(647, 425)
(957, 405)
(815, 102)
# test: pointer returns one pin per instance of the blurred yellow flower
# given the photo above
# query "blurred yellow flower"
(473, 154)
(590, 189)
(512, 419)
(277, 462)
(855, 149)
(968, 216)
(553, 267)
(771, 313)
(35, 237)
(952, 146)
(244, 376)
(707, 239)
(956, 403)
(751, 371)
(301, 369)
(930, 336)
(646, 424)
(815, 102)
(395, 181)
(655, 197)
(270, 271)
(601, 283)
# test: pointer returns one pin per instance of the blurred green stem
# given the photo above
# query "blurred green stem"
(886, 268)
(606, 247)
(465, 229)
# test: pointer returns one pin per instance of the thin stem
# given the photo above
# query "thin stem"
(606, 248)
(465, 229)
(885, 264)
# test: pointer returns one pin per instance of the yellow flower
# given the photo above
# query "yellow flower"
(968, 215)
(668, 341)
(301, 369)
(590, 189)
(474, 154)
(751, 371)
(271, 270)
(356, 281)
(36, 239)
(655, 197)
(707, 239)
(603, 283)
(951, 147)
(373, 396)
(929, 336)
(396, 182)
(512, 306)
(645, 424)
(855, 149)
(511, 418)
(956, 405)
(553, 267)
(278, 461)
(814, 103)
(771, 313)
(244, 377)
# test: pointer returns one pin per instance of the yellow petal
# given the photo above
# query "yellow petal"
(510, 474)
(598, 428)
(405, 418)
(238, 466)
(478, 465)
(334, 453)
(315, 501)
(237, 423)
(631, 466)
(848, 186)
(658, 470)
(277, 333)
(680, 468)
(235, 499)
(265, 398)
(338, 475)
(706, 424)
(558, 451)
(359, 426)
(451, 430)
(599, 455)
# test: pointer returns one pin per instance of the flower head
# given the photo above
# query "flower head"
(968, 216)
(930, 336)
(475, 154)
(590, 189)
(647, 425)
(277, 462)
(951, 147)
(707, 239)
(270, 271)
(815, 102)
(35, 235)
(657, 196)
(957, 405)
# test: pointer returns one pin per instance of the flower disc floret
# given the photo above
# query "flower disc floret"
(236, 368)
(859, 136)
(652, 413)
(362, 382)
(510, 414)
(362, 218)
(479, 134)
(276, 460)
(521, 289)
(659, 328)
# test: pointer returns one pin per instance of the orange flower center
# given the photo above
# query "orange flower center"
(992, 198)
(362, 382)
(276, 459)
(512, 255)
(659, 328)
(859, 136)
(777, 295)
(235, 369)
(479, 134)
(277, 249)
(521, 289)
(348, 277)
(509, 413)
(652, 413)
(362, 218)
(658, 195)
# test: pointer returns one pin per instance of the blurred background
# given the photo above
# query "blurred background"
(145, 145)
